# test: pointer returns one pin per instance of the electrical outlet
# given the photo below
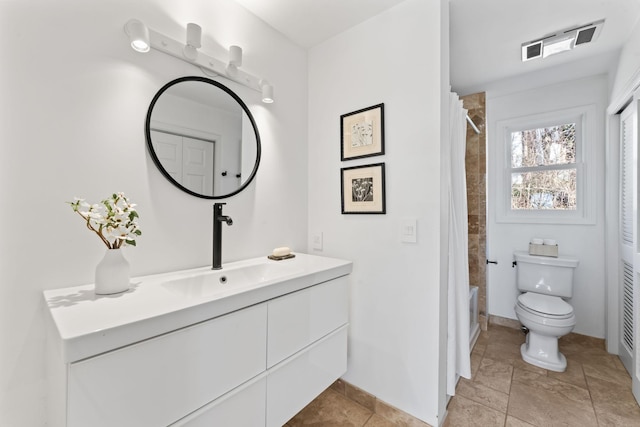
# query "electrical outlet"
(316, 241)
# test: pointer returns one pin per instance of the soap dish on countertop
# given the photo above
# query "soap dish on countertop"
(280, 258)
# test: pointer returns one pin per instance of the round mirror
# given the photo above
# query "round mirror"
(203, 138)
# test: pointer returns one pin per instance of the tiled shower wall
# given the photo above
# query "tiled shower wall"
(475, 162)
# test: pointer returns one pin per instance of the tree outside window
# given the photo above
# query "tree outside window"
(543, 168)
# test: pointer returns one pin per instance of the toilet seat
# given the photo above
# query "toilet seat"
(550, 307)
(534, 320)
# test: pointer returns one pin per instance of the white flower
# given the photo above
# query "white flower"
(114, 220)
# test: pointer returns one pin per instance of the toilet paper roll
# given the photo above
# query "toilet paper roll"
(537, 241)
(549, 242)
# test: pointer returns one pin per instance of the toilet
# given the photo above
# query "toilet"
(544, 282)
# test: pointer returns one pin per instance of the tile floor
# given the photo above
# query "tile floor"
(504, 391)
(334, 409)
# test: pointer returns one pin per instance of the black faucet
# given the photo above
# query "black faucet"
(218, 218)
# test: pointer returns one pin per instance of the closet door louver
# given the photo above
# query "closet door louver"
(627, 306)
(628, 237)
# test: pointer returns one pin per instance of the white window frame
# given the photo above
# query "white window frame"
(585, 119)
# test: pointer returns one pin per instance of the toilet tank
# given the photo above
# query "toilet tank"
(545, 275)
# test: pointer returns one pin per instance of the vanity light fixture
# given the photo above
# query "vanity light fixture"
(267, 92)
(194, 41)
(143, 38)
(138, 35)
(235, 59)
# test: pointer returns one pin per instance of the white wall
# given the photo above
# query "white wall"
(627, 75)
(586, 242)
(393, 58)
(72, 111)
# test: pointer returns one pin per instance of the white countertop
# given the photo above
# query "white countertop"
(90, 324)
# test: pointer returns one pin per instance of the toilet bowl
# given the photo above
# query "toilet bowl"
(541, 308)
(541, 346)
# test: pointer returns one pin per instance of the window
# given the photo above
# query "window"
(545, 163)
(543, 168)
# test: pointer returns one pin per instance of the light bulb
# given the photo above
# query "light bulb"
(138, 35)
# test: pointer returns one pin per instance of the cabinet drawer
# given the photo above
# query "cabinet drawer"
(157, 382)
(294, 383)
(241, 407)
(298, 319)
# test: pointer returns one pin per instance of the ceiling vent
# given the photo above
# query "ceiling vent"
(561, 41)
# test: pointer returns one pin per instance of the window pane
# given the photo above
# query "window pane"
(555, 145)
(552, 189)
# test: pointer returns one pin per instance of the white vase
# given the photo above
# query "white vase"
(112, 273)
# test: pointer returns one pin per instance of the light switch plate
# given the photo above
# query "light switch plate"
(409, 230)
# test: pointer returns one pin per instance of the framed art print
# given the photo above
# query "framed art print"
(362, 133)
(363, 189)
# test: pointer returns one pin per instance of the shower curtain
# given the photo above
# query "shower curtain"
(458, 357)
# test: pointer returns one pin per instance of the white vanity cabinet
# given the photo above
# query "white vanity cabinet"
(158, 381)
(301, 378)
(307, 347)
(253, 366)
(244, 406)
(301, 318)
(307, 335)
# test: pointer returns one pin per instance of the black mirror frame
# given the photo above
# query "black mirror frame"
(159, 165)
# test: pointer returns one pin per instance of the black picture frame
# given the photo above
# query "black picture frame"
(362, 189)
(362, 133)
